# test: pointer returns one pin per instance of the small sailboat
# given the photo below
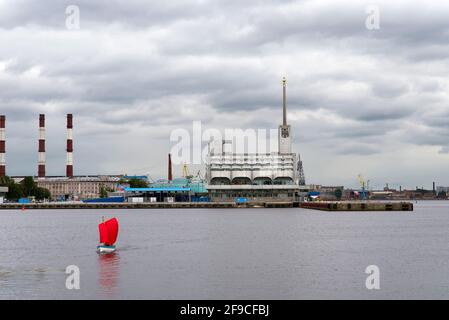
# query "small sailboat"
(108, 236)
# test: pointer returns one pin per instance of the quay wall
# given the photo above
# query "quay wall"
(358, 206)
(325, 206)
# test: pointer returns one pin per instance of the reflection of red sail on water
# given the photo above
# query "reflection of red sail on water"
(108, 235)
(108, 274)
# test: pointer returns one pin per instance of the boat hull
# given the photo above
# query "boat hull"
(105, 249)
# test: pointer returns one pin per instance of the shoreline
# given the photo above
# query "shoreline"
(362, 206)
(154, 205)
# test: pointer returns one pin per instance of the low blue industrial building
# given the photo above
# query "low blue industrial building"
(156, 194)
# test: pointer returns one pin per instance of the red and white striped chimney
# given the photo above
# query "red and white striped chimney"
(41, 168)
(2, 146)
(69, 168)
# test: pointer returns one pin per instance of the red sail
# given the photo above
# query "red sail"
(104, 235)
(108, 231)
(112, 226)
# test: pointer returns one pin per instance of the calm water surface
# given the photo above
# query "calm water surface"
(227, 254)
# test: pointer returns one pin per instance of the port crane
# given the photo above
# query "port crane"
(186, 173)
(363, 186)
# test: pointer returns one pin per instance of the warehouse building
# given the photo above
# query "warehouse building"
(176, 190)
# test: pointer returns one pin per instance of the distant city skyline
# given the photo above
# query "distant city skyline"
(360, 100)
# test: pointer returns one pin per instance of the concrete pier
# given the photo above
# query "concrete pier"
(150, 205)
(358, 206)
(326, 206)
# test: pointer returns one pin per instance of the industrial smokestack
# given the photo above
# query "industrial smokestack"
(170, 172)
(2, 146)
(41, 169)
(69, 168)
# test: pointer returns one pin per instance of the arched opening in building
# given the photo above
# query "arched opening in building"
(218, 181)
(283, 181)
(260, 181)
(241, 181)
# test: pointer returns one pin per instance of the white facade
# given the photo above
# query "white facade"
(261, 175)
(255, 169)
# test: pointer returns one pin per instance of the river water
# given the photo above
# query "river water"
(227, 254)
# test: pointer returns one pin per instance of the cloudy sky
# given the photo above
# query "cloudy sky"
(360, 100)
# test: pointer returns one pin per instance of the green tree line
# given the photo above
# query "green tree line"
(134, 183)
(26, 188)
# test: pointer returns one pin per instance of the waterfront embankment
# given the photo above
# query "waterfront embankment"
(325, 206)
(149, 205)
(358, 206)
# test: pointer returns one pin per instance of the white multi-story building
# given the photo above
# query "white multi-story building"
(258, 176)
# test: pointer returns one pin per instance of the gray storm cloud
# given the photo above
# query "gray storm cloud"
(136, 70)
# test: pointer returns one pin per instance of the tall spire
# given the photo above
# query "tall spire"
(285, 143)
(284, 100)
